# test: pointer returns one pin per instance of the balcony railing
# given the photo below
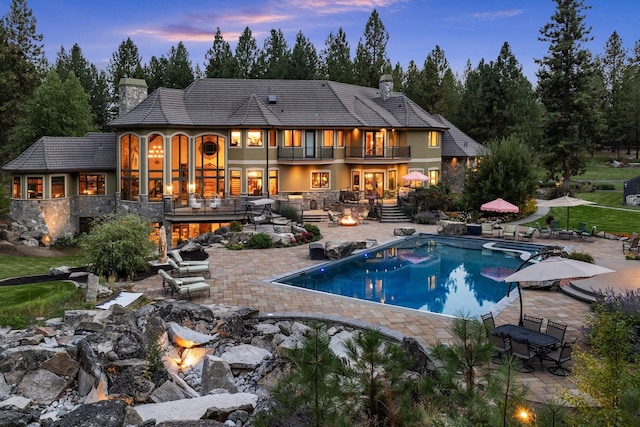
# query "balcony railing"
(301, 153)
(380, 153)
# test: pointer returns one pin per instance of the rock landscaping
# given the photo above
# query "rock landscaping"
(169, 363)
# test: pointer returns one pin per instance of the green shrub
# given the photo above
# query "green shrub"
(426, 218)
(581, 256)
(311, 228)
(66, 242)
(260, 241)
(290, 212)
(235, 226)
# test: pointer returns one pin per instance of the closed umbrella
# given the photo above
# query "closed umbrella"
(499, 205)
(555, 268)
(564, 201)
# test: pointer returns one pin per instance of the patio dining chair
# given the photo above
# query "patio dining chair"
(560, 356)
(527, 234)
(501, 347)
(543, 232)
(524, 352)
(531, 322)
(556, 330)
(488, 321)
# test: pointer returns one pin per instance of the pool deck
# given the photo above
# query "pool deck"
(238, 279)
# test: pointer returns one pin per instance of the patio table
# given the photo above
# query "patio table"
(541, 342)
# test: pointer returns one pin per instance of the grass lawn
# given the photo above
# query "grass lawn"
(20, 265)
(24, 303)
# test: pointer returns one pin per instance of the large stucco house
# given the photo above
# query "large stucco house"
(301, 141)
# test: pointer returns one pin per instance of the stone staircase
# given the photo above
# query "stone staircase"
(392, 213)
(315, 216)
(578, 293)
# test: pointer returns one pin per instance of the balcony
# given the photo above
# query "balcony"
(301, 155)
(377, 155)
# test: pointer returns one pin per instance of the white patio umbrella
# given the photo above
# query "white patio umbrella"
(564, 201)
(415, 176)
(555, 268)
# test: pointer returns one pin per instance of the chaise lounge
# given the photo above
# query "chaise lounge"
(180, 288)
(188, 270)
(175, 254)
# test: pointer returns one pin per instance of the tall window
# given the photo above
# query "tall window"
(254, 138)
(155, 167)
(235, 138)
(393, 141)
(57, 187)
(91, 184)
(210, 165)
(374, 143)
(34, 187)
(254, 182)
(292, 138)
(273, 142)
(320, 179)
(17, 187)
(129, 167)
(180, 169)
(434, 139)
(340, 138)
(273, 182)
(327, 138)
(434, 176)
(235, 187)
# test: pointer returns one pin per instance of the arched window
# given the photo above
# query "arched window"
(155, 166)
(210, 165)
(180, 169)
(129, 167)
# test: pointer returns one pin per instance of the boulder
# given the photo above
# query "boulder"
(338, 250)
(403, 231)
(216, 374)
(245, 356)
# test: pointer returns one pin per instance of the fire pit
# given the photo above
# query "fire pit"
(347, 220)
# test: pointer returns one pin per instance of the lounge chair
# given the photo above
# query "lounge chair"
(166, 286)
(543, 232)
(188, 270)
(194, 204)
(527, 234)
(509, 231)
(180, 288)
(333, 220)
(487, 229)
(555, 227)
(582, 228)
(175, 254)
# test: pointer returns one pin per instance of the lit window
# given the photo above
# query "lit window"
(273, 181)
(91, 184)
(434, 176)
(57, 187)
(327, 138)
(235, 138)
(273, 142)
(340, 138)
(434, 139)
(234, 183)
(17, 187)
(129, 164)
(292, 138)
(254, 182)
(254, 138)
(319, 179)
(34, 188)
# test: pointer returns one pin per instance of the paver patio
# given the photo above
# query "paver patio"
(238, 278)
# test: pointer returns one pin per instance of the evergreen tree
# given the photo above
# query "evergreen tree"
(304, 60)
(179, 73)
(397, 75)
(566, 89)
(125, 62)
(371, 54)
(220, 60)
(246, 55)
(450, 95)
(414, 86)
(56, 109)
(336, 58)
(273, 59)
(629, 101)
(441, 90)
(613, 65)
(22, 63)
(156, 72)
(93, 81)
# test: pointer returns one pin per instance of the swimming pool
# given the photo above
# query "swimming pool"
(439, 274)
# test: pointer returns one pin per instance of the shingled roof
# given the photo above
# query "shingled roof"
(456, 143)
(279, 103)
(92, 152)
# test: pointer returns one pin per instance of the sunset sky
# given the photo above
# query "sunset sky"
(467, 30)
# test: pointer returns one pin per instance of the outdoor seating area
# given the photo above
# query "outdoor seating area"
(187, 286)
(528, 342)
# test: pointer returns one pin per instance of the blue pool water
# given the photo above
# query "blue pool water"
(445, 275)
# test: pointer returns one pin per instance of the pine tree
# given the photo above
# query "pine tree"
(336, 58)
(273, 59)
(304, 60)
(371, 54)
(220, 60)
(246, 55)
(125, 62)
(566, 88)
(179, 73)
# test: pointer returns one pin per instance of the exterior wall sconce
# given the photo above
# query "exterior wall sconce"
(192, 188)
(169, 189)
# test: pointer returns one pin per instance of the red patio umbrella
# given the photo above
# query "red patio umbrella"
(499, 205)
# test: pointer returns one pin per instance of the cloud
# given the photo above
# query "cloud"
(486, 16)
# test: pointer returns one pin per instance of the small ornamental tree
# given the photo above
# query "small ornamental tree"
(118, 246)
